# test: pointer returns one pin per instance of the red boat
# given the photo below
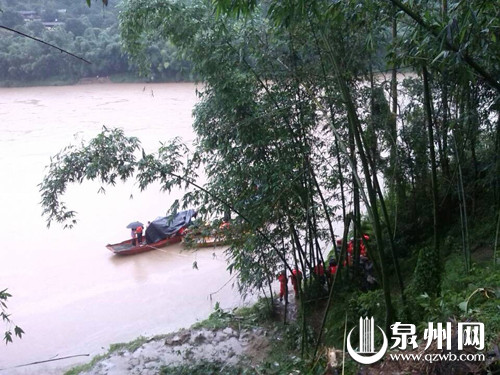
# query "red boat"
(126, 247)
(161, 232)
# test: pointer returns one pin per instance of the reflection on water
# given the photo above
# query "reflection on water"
(70, 294)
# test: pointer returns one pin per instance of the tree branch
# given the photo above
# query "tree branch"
(467, 58)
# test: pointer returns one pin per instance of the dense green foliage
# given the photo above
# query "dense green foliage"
(297, 128)
(90, 33)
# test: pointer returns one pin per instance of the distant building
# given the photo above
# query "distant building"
(51, 25)
(28, 14)
(32, 15)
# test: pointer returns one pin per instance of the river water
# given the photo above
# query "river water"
(70, 294)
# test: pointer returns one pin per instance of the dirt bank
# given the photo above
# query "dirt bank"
(186, 346)
(244, 338)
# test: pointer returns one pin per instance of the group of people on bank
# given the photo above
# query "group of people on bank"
(296, 277)
(322, 273)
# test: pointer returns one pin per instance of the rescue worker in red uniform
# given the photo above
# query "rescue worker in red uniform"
(362, 249)
(283, 284)
(319, 270)
(224, 225)
(296, 278)
(332, 269)
(350, 248)
(138, 231)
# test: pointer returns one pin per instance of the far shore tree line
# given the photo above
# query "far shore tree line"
(90, 33)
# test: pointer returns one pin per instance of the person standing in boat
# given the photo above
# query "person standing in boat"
(138, 232)
(133, 236)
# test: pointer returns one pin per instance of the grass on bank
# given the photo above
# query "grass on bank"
(283, 356)
(113, 348)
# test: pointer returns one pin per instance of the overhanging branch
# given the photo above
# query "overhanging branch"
(467, 58)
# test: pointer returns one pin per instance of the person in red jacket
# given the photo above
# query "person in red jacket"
(332, 269)
(296, 278)
(362, 247)
(350, 248)
(283, 284)
(319, 270)
(138, 232)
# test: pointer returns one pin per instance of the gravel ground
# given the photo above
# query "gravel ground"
(186, 346)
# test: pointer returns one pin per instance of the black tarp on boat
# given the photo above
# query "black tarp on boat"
(167, 226)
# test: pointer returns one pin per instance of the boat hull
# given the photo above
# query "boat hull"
(204, 242)
(126, 247)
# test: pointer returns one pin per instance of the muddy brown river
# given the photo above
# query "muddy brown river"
(70, 294)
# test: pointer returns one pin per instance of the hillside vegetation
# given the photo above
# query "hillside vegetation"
(87, 32)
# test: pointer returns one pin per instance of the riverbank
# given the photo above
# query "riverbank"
(246, 340)
(72, 81)
(255, 340)
(195, 346)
